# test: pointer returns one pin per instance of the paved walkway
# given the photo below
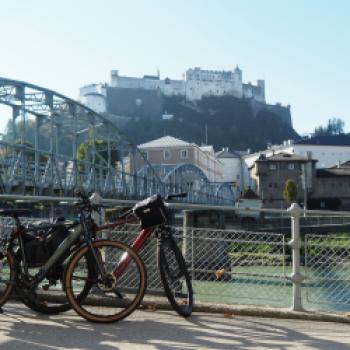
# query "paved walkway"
(20, 328)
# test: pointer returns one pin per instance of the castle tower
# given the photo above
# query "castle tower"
(261, 85)
(237, 81)
(238, 73)
(114, 77)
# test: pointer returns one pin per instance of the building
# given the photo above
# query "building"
(197, 83)
(271, 173)
(332, 188)
(169, 152)
(328, 150)
(326, 188)
(232, 169)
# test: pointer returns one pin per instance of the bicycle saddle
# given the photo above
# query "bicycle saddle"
(14, 212)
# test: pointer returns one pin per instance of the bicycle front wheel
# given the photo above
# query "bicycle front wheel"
(8, 273)
(174, 276)
(117, 286)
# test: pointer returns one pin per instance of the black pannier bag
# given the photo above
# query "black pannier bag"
(40, 245)
(151, 211)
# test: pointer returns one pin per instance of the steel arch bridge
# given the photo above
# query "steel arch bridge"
(54, 145)
(191, 179)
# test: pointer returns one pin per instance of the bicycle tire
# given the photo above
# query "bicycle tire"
(51, 302)
(8, 275)
(175, 276)
(105, 302)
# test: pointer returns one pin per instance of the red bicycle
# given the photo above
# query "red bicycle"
(171, 264)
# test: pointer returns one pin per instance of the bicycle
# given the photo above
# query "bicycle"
(15, 274)
(22, 251)
(171, 264)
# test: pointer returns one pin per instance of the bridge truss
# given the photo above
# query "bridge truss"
(53, 145)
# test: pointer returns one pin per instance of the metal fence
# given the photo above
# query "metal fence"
(230, 266)
(226, 266)
(259, 268)
(327, 270)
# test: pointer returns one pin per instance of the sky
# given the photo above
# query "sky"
(301, 48)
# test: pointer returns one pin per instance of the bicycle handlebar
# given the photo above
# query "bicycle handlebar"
(85, 202)
(167, 198)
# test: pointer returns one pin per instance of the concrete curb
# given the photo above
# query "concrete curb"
(161, 303)
(248, 310)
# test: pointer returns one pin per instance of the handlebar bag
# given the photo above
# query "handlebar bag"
(151, 211)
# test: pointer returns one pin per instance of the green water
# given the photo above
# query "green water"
(270, 286)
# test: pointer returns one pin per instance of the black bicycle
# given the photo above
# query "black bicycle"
(32, 278)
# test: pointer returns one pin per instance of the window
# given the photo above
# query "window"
(291, 166)
(184, 154)
(272, 166)
(166, 154)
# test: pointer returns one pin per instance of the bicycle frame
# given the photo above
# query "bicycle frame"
(136, 245)
(58, 254)
(61, 251)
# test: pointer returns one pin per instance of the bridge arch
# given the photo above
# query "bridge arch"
(55, 145)
(191, 179)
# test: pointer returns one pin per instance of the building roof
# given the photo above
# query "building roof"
(336, 170)
(226, 153)
(209, 149)
(283, 157)
(326, 140)
(333, 172)
(166, 141)
(342, 165)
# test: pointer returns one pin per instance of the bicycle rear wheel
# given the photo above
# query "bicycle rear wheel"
(116, 292)
(174, 275)
(7, 276)
(49, 296)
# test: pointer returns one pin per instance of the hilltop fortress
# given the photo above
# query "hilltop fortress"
(130, 96)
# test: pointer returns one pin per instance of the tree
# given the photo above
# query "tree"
(290, 191)
(101, 147)
(335, 126)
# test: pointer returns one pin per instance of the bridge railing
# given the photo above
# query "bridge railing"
(234, 264)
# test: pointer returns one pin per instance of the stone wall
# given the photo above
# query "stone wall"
(282, 111)
(134, 102)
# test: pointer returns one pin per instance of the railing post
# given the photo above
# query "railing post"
(185, 235)
(295, 244)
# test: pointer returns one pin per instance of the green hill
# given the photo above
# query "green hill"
(230, 122)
